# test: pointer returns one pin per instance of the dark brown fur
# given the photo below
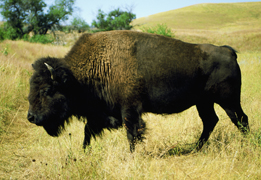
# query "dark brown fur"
(111, 78)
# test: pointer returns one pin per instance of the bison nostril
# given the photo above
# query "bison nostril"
(30, 117)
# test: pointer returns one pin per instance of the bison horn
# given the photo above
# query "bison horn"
(51, 70)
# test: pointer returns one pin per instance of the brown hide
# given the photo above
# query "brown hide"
(121, 59)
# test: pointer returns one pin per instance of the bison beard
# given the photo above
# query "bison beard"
(55, 121)
(112, 78)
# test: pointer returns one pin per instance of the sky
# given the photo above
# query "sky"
(142, 8)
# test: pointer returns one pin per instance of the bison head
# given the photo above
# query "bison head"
(49, 97)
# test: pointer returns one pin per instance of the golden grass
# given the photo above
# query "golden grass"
(27, 152)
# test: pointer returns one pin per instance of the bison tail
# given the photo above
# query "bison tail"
(233, 51)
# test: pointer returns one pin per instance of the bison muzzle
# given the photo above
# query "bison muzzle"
(112, 78)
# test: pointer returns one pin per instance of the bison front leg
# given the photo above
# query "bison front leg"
(134, 125)
(87, 137)
(89, 131)
(96, 124)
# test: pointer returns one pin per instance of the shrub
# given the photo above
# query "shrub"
(7, 32)
(26, 37)
(160, 29)
(44, 39)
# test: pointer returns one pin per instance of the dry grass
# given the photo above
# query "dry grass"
(27, 152)
(16, 58)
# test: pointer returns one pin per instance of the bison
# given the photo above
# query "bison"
(112, 78)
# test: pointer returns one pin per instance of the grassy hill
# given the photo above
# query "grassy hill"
(223, 16)
(234, 24)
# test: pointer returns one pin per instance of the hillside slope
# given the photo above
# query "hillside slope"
(210, 16)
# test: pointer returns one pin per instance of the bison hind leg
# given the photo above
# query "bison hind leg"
(209, 118)
(237, 116)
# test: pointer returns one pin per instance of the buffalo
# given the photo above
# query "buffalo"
(111, 78)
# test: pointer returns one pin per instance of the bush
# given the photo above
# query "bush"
(44, 39)
(7, 32)
(160, 29)
(26, 37)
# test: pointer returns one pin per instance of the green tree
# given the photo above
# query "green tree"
(24, 16)
(101, 23)
(115, 20)
(13, 12)
(79, 24)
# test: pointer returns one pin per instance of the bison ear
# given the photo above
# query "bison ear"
(53, 74)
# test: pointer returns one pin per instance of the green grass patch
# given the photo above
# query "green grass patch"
(160, 29)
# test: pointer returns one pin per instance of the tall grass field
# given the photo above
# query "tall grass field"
(27, 152)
